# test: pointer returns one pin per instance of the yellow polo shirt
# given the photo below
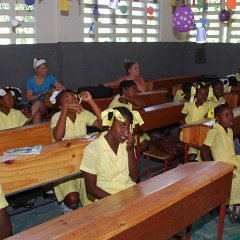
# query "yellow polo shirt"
(115, 103)
(112, 170)
(222, 149)
(195, 113)
(3, 202)
(77, 128)
(179, 96)
(15, 118)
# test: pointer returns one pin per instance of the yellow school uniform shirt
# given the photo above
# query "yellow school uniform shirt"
(76, 129)
(222, 149)
(115, 103)
(194, 114)
(214, 102)
(3, 202)
(112, 170)
(15, 118)
(179, 96)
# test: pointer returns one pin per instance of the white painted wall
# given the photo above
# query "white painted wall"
(53, 27)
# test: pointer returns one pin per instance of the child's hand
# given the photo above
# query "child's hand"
(130, 141)
(122, 99)
(72, 106)
(86, 96)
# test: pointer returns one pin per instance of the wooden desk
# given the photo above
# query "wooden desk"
(154, 209)
(150, 98)
(29, 135)
(161, 115)
(56, 160)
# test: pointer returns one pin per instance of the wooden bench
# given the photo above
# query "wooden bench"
(154, 209)
(56, 161)
(29, 135)
(150, 98)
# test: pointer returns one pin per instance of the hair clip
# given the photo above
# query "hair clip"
(13, 93)
(2, 92)
(53, 97)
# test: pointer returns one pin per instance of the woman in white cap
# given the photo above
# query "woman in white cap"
(37, 87)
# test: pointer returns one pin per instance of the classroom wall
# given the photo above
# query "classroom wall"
(84, 64)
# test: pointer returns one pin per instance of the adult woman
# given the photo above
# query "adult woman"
(132, 69)
(38, 86)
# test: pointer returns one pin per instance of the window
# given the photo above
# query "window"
(22, 34)
(216, 30)
(113, 26)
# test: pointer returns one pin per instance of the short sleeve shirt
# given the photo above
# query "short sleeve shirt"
(3, 202)
(115, 103)
(179, 97)
(221, 144)
(48, 83)
(77, 128)
(112, 170)
(195, 113)
(15, 118)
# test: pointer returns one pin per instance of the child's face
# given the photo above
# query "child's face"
(7, 101)
(218, 90)
(119, 129)
(131, 91)
(225, 118)
(201, 95)
(68, 98)
(134, 70)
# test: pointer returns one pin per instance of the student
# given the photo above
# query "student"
(184, 94)
(195, 111)
(38, 86)
(216, 92)
(132, 69)
(128, 98)
(109, 163)
(24, 107)
(219, 142)
(71, 122)
(5, 224)
(9, 117)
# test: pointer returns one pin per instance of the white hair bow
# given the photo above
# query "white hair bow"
(53, 97)
(2, 92)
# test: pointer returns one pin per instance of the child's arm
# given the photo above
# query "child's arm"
(5, 224)
(132, 161)
(182, 121)
(137, 102)
(205, 153)
(86, 97)
(92, 188)
(59, 130)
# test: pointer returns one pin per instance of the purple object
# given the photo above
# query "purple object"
(224, 15)
(29, 2)
(183, 18)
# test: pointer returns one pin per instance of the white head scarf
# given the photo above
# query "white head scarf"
(38, 62)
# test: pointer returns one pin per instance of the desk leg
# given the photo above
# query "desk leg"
(188, 232)
(185, 153)
(221, 220)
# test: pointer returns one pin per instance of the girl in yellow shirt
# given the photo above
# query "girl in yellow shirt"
(109, 163)
(70, 122)
(9, 117)
(219, 142)
(195, 111)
